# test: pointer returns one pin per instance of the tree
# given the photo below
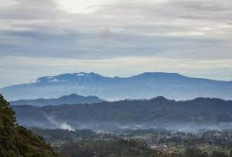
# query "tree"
(218, 154)
(192, 152)
(17, 141)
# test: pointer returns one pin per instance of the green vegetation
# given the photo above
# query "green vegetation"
(160, 112)
(129, 148)
(119, 148)
(158, 143)
(17, 141)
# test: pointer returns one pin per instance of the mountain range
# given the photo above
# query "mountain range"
(199, 113)
(145, 85)
(67, 99)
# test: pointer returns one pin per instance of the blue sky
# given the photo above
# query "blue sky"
(115, 37)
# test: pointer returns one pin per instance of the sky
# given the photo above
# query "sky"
(114, 38)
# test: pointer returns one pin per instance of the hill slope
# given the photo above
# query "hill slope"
(17, 141)
(145, 85)
(67, 99)
(194, 114)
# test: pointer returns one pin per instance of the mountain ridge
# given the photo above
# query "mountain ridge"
(113, 77)
(145, 85)
(199, 113)
(66, 99)
(157, 74)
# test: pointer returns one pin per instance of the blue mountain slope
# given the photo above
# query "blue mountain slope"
(190, 115)
(145, 85)
(67, 99)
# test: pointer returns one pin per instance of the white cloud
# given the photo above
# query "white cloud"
(83, 6)
(95, 32)
(27, 69)
(7, 3)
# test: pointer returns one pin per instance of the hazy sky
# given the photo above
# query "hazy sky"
(114, 37)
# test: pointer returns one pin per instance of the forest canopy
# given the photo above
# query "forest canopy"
(17, 141)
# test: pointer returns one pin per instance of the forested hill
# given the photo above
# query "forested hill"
(17, 141)
(159, 111)
(66, 99)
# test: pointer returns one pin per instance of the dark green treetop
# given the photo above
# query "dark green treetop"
(17, 141)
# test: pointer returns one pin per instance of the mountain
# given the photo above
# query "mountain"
(145, 85)
(17, 141)
(199, 113)
(67, 99)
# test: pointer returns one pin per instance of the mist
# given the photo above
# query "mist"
(57, 124)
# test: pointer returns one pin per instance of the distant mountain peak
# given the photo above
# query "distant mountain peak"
(70, 96)
(76, 96)
(66, 99)
(159, 98)
(66, 76)
(145, 85)
(157, 74)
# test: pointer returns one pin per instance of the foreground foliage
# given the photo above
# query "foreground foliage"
(17, 141)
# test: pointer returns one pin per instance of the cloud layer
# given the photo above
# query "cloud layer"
(183, 32)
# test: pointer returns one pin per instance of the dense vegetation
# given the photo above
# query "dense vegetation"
(192, 114)
(17, 141)
(57, 136)
(120, 148)
(159, 143)
(66, 99)
(129, 148)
